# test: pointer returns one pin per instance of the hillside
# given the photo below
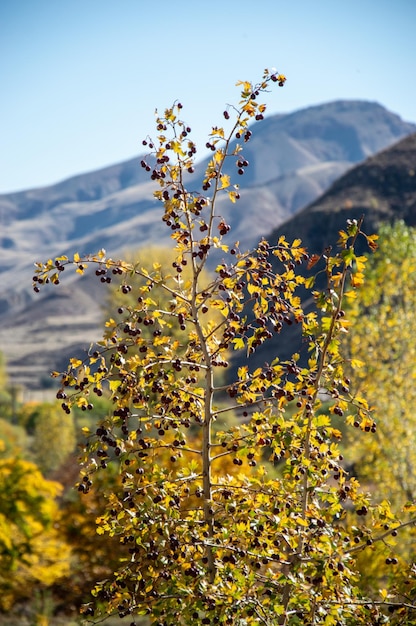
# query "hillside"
(382, 189)
(294, 158)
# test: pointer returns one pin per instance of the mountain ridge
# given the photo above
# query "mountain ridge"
(117, 210)
(381, 189)
(43, 221)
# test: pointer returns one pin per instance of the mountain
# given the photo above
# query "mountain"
(293, 159)
(382, 189)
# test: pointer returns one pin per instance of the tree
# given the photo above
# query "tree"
(3, 373)
(6, 398)
(53, 434)
(383, 340)
(383, 345)
(32, 553)
(13, 440)
(268, 540)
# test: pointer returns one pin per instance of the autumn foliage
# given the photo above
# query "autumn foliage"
(234, 503)
(33, 552)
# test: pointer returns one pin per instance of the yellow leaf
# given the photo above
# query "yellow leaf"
(371, 240)
(249, 108)
(351, 295)
(218, 156)
(225, 181)
(169, 115)
(264, 305)
(114, 385)
(77, 258)
(176, 147)
(218, 304)
(246, 85)
(218, 131)
(409, 507)
(242, 372)
(357, 279)
(361, 261)
(225, 311)
(233, 196)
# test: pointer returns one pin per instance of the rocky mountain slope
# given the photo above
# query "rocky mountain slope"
(293, 159)
(382, 189)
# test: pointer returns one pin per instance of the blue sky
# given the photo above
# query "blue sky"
(80, 79)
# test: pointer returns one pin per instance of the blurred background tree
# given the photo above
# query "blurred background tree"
(52, 434)
(33, 552)
(383, 341)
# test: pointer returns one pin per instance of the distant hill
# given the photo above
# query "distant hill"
(293, 159)
(382, 189)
